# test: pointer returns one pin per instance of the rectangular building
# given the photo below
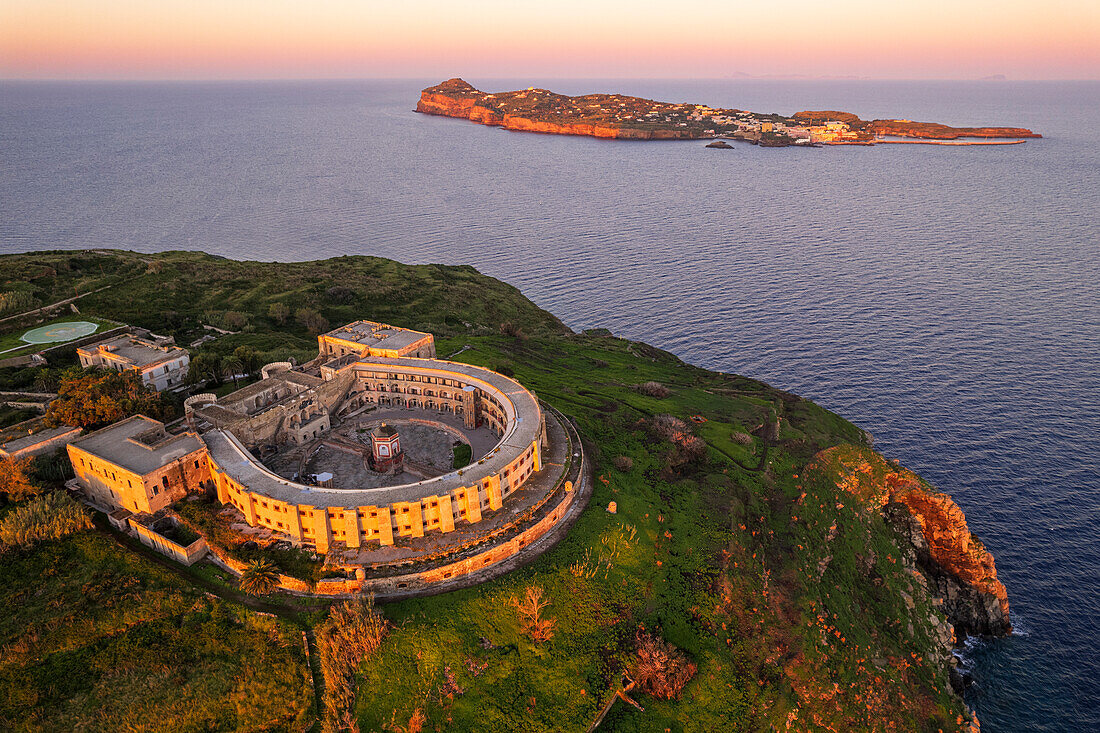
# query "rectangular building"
(369, 338)
(161, 366)
(136, 465)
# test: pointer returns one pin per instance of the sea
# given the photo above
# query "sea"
(946, 299)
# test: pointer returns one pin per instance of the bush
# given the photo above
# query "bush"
(662, 670)
(234, 320)
(16, 301)
(508, 328)
(741, 438)
(15, 478)
(667, 427)
(653, 389)
(623, 463)
(278, 312)
(47, 517)
(351, 635)
(311, 320)
(339, 295)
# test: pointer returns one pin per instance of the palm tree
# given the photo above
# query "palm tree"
(260, 578)
(232, 367)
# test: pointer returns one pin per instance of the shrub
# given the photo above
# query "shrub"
(662, 669)
(15, 478)
(47, 517)
(530, 614)
(352, 634)
(667, 427)
(311, 320)
(278, 312)
(653, 389)
(234, 320)
(340, 295)
(508, 328)
(15, 301)
(623, 463)
(741, 438)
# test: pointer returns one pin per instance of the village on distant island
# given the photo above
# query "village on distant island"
(635, 118)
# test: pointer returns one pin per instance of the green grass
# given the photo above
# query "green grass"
(97, 638)
(13, 338)
(715, 556)
(463, 454)
(11, 415)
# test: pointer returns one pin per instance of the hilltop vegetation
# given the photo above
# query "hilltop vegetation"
(786, 601)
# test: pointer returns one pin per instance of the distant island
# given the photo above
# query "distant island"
(635, 118)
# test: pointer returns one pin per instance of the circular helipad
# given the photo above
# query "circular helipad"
(59, 332)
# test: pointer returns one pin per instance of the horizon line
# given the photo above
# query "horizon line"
(766, 78)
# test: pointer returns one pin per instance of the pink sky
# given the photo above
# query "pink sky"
(1053, 39)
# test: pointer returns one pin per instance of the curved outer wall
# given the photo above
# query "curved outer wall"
(320, 516)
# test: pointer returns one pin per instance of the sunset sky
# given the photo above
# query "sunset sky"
(191, 39)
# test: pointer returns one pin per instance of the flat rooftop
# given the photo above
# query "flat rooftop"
(524, 426)
(135, 351)
(14, 446)
(377, 335)
(138, 444)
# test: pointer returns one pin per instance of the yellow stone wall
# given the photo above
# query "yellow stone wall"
(113, 486)
(356, 526)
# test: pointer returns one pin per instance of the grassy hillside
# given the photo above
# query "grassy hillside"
(793, 604)
(97, 638)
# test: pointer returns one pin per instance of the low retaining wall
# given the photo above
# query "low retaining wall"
(151, 538)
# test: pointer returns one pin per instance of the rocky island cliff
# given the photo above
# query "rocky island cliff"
(957, 570)
(636, 118)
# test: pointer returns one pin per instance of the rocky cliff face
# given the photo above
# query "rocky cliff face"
(959, 572)
(457, 98)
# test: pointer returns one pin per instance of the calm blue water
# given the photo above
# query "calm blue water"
(946, 299)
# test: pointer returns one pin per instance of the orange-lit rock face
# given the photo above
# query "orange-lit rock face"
(456, 98)
(961, 571)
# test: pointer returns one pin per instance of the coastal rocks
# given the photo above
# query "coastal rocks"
(959, 572)
(721, 144)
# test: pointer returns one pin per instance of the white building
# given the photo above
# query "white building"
(161, 366)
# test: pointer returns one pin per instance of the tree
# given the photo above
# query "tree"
(205, 366)
(47, 380)
(278, 312)
(248, 358)
(530, 613)
(313, 321)
(662, 669)
(97, 397)
(232, 368)
(15, 478)
(260, 578)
